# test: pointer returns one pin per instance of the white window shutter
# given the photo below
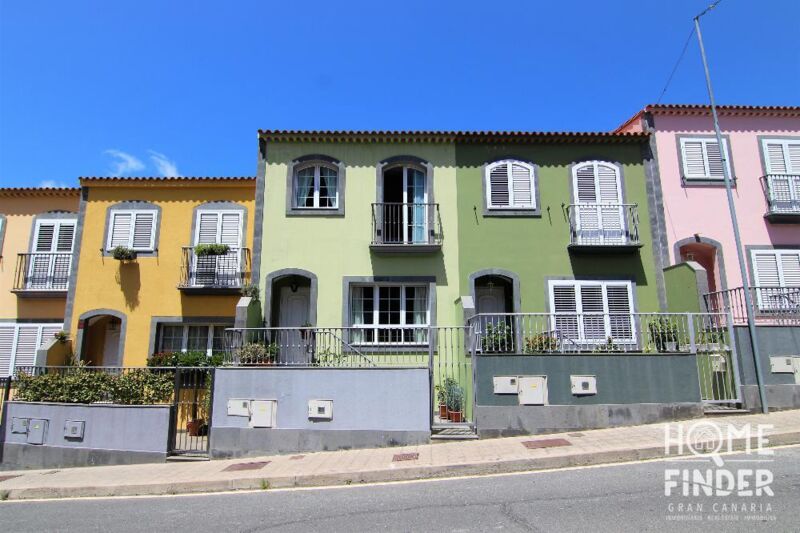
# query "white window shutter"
(498, 186)
(776, 162)
(693, 160)
(66, 236)
(143, 231)
(44, 237)
(522, 185)
(27, 338)
(586, 191)
(230, 232)
(207, 230)
(766, 269)
(608, 184)
(714, 158)
(6, 349)
(564, 299)
(120, 230)
(793, 149)
(790, 265)
(619, 309)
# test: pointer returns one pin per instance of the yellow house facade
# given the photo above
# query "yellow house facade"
(37, 239)
(143, 284)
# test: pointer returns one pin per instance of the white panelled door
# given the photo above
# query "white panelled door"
(600, 217)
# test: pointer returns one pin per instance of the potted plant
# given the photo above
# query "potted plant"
(608, 347)
(61, 336)
(711, 339)
(255, 354)
(541, 343)
(664, 335)
(123, 253)
(497, 338)
(455, 404)
(196, 427)
(441, 397)
(206, 249)
(250, 290)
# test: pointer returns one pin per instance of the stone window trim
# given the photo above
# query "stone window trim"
(132, 205)
(488, 212)
(303, 161)
(699, 182)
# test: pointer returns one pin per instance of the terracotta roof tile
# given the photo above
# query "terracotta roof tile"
(450, 136)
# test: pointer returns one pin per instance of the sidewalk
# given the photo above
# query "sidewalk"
(447, 459)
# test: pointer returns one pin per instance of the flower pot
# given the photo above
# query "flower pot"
(194, 427)
(443, 411)
(455, 416)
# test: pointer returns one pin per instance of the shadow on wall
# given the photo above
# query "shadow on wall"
(129, 280)
(410, 265)
(621, 266)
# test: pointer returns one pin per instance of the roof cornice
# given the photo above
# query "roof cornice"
(474, 137)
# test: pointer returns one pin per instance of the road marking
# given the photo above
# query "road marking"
(686, 458)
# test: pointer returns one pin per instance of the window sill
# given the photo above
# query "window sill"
(489, 212)
(315, 212)
(705, 182)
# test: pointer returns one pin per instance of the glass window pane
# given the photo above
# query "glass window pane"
(171, 338)
(389, 306)
(218, 343)
(198, 338)
(328, 182)
(304, 187)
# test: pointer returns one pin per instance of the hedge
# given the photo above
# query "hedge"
(136, 387)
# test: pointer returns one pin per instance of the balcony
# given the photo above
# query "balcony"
(778, 306)
(42, 275)
(406, 228)
(603, 228)
(783, 198)
(214, 274)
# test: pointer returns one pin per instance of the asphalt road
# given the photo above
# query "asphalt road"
(613, 498)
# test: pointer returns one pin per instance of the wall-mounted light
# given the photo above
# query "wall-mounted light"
(293, 286)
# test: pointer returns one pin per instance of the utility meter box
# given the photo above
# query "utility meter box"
(532, 390)
(263, 413)
(73, 429)
(238, 407)
(320, 409)
(782, 364)
(583, 385)
(718, 363)
(506, 384)
(796, 361)
(37, 430)
(19, 425)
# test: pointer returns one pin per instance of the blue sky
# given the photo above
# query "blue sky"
(146, 87)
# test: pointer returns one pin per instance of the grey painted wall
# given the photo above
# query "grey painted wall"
(621, 379)
(772, 341)
(113, 434)
(371, 407)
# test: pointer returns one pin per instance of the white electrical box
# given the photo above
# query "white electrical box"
(320, 409)
(796, 361)
(506, 384)
(532, 390)
(781, 364)
(238, 407)
(263, 413)
(583, 385)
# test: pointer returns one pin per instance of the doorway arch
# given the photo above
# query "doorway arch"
(101, 337)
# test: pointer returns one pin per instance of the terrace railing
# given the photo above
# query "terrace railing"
(228, 271)
(772, 305)
(600, 224)
(406, 224)
(42, 272)
(558, 333)
(783, 194)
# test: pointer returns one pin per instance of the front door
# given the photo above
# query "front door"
(293, 312)
(495, 329)
(111, 355)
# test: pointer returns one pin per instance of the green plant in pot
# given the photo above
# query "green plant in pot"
(207, 249)
(455, 403)
(711, 338)
(497, 338)
(61, 336)
(541, 343)
(123, 253)
(607, 347)
(250, 290)
(441, 395)
(664, 335)
(255, 354)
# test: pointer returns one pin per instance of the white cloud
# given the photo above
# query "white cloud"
(48, 184)
(124, 163)
(164, 166)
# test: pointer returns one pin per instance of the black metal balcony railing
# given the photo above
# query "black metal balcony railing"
(42, 272)
(406, 224)
(229, 271)
(772, 305)
(783, 194)
(603, 225)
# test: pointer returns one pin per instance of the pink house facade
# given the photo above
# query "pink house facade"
(763, 145)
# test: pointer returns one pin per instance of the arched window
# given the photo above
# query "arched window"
(511, 185)
(316, 186)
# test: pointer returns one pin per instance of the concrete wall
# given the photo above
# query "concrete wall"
(113, 434)
(631, 389)
(371, 407)
(685, 284)
(782, 390)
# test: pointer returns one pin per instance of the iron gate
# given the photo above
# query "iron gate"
(451, 372)
(190, 422)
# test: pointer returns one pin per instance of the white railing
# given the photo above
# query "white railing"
(599, 224)
(783, 193)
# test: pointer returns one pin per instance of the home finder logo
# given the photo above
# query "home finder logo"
(707, 487)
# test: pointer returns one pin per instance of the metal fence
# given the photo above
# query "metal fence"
(783, 193)
(42, 272)
(602, 224)
(406, 224)
(545, 333)
(772, 305)
(230, 270)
